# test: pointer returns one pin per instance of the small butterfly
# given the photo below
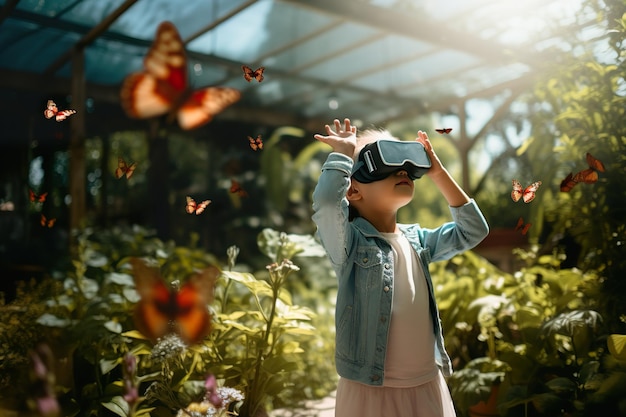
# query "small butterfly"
(197, 208)
(587, 176)
(37, 198)
(256, 144)
(124, 169)
(235, 188)
(526, 194)
(249, 74)
(444, 131)
(162, 87)
(45, 222)
(183, 311)
(52, 110)
(522, 226)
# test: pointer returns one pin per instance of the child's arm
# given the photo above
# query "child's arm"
(450, 189)
(330, 205)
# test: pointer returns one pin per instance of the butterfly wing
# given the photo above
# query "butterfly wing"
(121, 169)
(521, 226)
(153, 313)
(158, 88)
(51, 109)
(256, 144)
(202, 206)
(45, 222)
(258, 74)
(193, 320)
(204, 104)
(588, 176)
(64, 114)
(530, 191)
(594, 163)
(248, 73)
(568, 183)
(191, 205)
(236, 188)
(517, 191)
(37, 198)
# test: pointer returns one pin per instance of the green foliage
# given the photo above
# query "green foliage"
(579, 106)
(257, 345)
(539, 327)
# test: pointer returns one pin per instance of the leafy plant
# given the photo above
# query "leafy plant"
(257, 343)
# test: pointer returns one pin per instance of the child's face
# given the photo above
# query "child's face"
(388, 194)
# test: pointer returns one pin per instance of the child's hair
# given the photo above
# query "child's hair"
(366, 137)
(370, 135)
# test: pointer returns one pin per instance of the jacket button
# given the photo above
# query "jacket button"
(365, 260)
(387, 266)
(386, 289)
(375, 377)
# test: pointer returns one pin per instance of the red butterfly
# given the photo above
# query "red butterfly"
(37, 198)
(249, 74)
(162, 86)
(47, 222)
(444, 130)
(184, 311)
(527, 194)
(52, 110)
(588, 176)
(521, 226)
(198, 208)
(256, 144)
(235, 188)
(124, 169)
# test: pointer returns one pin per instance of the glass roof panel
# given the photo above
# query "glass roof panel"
(417, 71)
(189, 16)
(260, 28)
(29, 47)
(361, 60)
(329, 42)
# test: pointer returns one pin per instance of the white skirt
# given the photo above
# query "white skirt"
(431, 399)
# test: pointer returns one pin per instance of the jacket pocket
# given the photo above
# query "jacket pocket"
(368, 262)
(345, 334)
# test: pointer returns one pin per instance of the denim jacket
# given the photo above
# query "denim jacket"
(364, 262)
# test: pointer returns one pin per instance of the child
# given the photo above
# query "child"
(389, 350)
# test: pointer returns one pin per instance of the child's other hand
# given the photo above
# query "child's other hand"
(342, 140)
(436, 165)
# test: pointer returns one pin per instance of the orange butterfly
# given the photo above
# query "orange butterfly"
(588, 176)
(184, 311)
(256, 144)
(52, 110)
(124, 169)
(47, 222)
(162, 87)
(249, 74)
(521, 226)
(37, 198)
(193, 207)
(444, 130)
(235, 188)
(527, 194)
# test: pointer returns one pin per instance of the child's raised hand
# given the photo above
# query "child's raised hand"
(436, 165)
(342, 140)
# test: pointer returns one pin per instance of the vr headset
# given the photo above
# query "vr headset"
(382, 158)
